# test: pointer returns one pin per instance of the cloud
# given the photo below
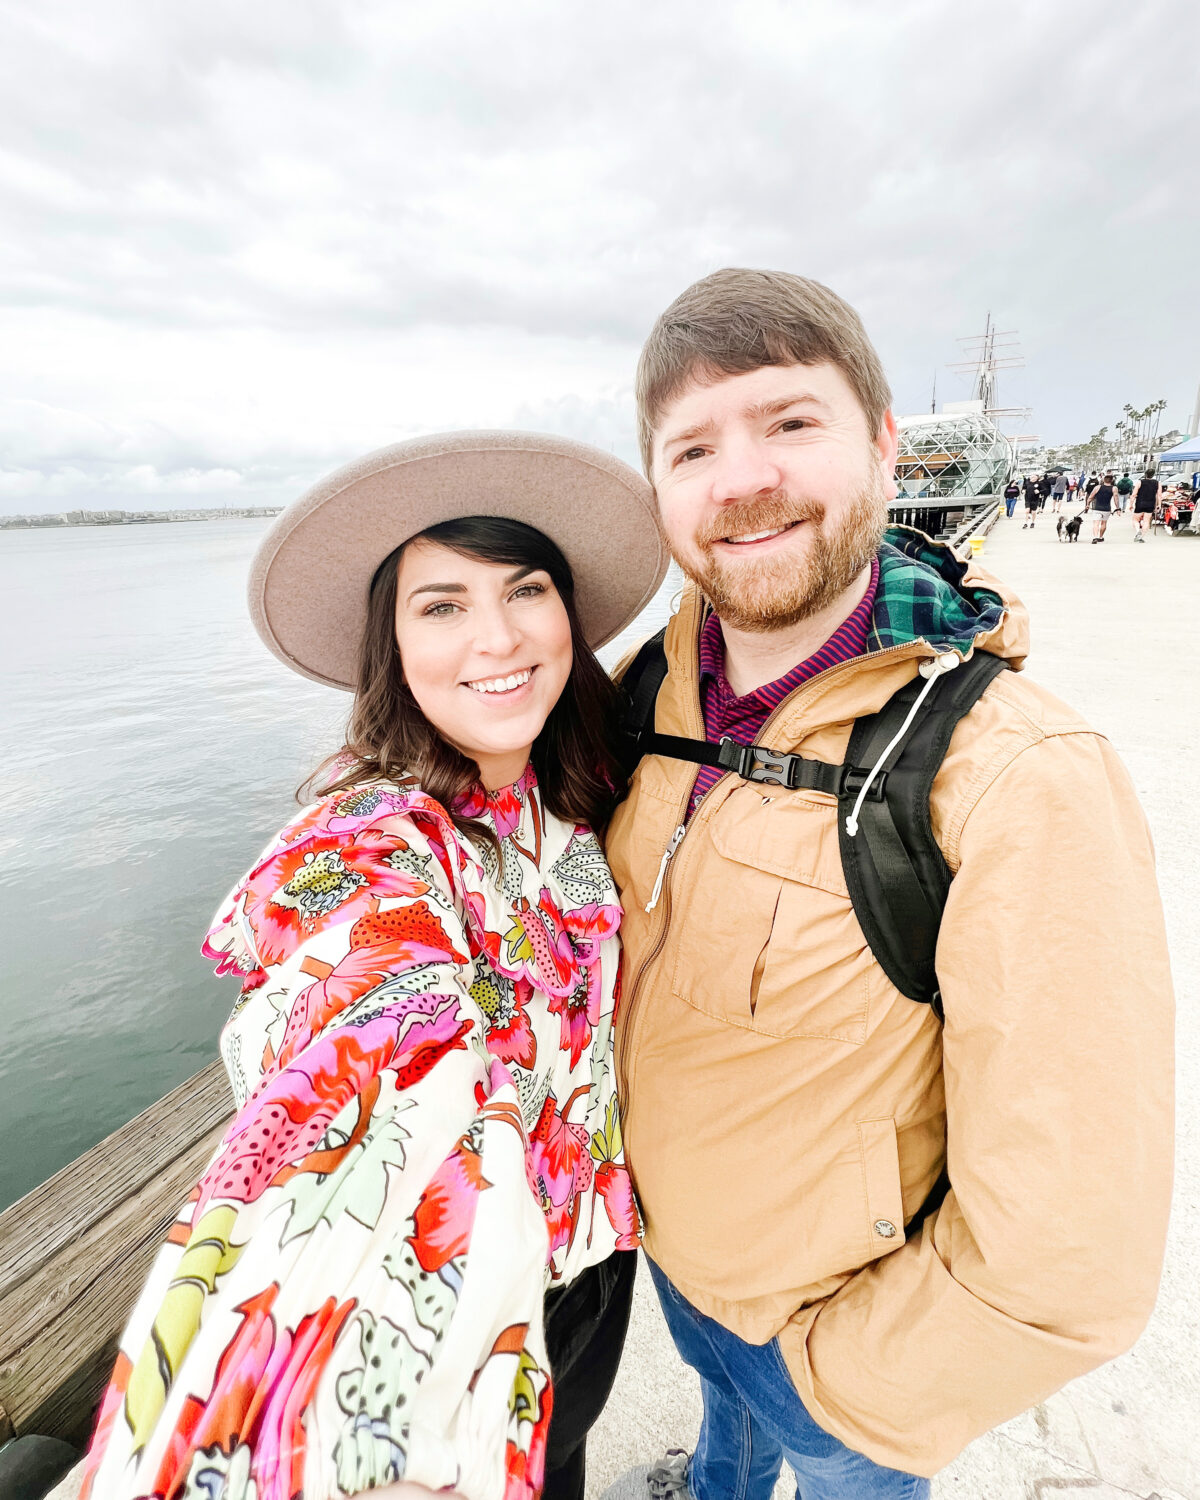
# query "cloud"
(408, 202)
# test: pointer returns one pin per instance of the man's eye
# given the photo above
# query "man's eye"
(689, 454)
(793, 424)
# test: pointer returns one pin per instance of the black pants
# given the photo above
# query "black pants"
(585, 1332)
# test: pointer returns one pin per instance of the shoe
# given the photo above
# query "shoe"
(1095, 539)
(665, 1480)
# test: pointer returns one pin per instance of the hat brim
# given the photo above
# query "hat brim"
(311, 573)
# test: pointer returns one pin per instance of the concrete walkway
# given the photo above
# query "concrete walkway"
(1114, 628)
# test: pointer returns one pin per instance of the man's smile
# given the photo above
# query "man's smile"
(757, 539)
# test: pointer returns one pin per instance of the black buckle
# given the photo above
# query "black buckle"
(853, 778)
(757, 763)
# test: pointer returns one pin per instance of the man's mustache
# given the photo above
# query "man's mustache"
(765, 513)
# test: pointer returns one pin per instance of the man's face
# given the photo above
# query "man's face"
(772, 491)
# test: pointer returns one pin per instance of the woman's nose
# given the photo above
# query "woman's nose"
(495, 633)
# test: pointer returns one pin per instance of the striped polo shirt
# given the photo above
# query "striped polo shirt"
(743, 718)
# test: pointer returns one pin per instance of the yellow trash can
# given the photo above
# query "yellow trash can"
(977, 545)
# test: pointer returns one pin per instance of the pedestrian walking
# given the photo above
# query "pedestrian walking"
(856, 1302)
(1060, 491)
(1046, 486)
(1033, 502)
(1124, 491)
(1090, 488)
(1100, 504)
(1145, 502)
(1012, 493)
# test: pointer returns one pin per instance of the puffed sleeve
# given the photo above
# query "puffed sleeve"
(353, 1293)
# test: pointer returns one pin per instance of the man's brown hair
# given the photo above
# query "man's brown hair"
(738, 320)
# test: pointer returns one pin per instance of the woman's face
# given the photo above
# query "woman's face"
(486, 652)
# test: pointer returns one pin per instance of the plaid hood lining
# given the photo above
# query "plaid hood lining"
(921, 595)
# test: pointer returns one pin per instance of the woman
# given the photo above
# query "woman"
(1145, 502)
(413, 1242)
(1100, 504)
(1012, 493)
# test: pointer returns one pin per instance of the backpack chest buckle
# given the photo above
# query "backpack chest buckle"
(757, 763)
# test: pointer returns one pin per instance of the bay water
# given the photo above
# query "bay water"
(150, 746)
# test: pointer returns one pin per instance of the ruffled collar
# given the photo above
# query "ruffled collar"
(502, 808)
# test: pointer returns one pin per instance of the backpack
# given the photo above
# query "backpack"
(897, 876)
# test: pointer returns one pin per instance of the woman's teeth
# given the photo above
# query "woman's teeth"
(502, 684)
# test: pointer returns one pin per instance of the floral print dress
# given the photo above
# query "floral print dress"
(426, 1139)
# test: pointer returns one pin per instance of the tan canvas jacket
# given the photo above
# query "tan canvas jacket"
(787, 1111)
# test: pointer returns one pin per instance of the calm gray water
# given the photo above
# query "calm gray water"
(150, 747)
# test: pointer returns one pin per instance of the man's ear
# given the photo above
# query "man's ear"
(887, 445)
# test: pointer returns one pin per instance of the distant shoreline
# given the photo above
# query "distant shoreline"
(132, 517)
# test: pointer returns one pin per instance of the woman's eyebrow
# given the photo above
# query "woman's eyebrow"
(461, 588)
(437, 588)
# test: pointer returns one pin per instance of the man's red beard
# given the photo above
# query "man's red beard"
(778, 590)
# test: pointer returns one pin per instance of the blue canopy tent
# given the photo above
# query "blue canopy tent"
(1183, 459)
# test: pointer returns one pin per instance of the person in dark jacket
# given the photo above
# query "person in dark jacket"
(1033, 501)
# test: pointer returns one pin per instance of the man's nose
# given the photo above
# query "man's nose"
(744, 468)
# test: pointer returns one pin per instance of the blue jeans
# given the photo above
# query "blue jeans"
(753, 1420)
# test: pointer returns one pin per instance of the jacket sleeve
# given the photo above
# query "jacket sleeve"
(1043, 1260)
(354, 1292)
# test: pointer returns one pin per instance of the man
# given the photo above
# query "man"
(786, 1110)
(1124, 490)
(1060, 490)
(1033, 501)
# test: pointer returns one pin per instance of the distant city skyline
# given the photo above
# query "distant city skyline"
(243, 244)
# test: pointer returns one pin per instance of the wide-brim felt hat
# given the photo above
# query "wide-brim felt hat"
(311, 574)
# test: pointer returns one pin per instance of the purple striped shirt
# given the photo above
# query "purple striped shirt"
(742, 718)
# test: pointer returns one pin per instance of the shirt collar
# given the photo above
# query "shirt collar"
(851, 638)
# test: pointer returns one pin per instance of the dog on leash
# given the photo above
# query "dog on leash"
(1068, 531)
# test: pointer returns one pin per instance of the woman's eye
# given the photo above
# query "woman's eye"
(529, 591)
(440, 607)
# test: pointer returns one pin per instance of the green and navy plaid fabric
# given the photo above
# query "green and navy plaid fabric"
(921, 595)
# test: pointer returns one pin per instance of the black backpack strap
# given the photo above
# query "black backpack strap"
(641, 681)
(895, 873)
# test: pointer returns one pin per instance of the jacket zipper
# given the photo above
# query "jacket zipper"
(676, 840)
(662, 884)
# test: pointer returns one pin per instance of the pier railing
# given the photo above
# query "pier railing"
(941, 517)
(75, 1252)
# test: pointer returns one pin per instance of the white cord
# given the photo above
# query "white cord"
(931, 670)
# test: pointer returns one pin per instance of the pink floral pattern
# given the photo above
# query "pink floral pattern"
(421, 1059)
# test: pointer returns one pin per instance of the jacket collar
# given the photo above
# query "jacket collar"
(927, 601)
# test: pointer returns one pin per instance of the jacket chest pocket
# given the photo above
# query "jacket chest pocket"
(767, 938)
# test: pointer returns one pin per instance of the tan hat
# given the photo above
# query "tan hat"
(311, 573)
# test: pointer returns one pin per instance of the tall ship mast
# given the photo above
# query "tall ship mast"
(961, 453)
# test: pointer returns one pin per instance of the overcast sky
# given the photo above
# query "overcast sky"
(241, 243)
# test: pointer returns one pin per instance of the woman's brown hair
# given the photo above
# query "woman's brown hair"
(389, 738)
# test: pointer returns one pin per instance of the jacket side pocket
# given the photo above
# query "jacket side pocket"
(883, 1206)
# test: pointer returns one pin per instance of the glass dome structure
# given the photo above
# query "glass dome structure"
(952, 454)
